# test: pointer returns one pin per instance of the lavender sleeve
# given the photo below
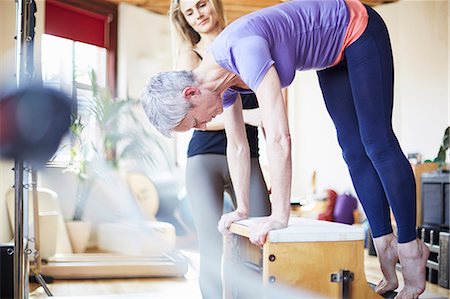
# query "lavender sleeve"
(248, 57)
(229, 97)
(252, 59)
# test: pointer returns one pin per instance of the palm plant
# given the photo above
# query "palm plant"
(122, 137)
(442, 153)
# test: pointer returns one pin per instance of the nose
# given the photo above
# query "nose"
(199, 14)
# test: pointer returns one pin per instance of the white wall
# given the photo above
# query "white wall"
(6, 181)
(7, 67)
(421, 53)
(143, 48)
(7, 43)
(7, 81)
(420, 37)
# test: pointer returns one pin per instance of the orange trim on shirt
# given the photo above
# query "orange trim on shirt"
(357, 24)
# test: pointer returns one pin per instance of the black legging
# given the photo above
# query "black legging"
(207, 178)
(358, 94)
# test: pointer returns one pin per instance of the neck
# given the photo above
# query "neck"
(207, 38)
(212, 76)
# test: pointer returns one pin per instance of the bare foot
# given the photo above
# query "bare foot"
(386, 247)
(413, 258)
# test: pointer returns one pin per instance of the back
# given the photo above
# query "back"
(295, 35)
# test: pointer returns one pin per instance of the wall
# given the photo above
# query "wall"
(7, 43)
(421, 51)
(419, 36)
(143, 48)
(8, 81)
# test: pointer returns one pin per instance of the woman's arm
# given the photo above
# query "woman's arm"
(278, 141)
(238, 157)
(187, 60)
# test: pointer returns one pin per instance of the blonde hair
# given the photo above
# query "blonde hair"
(186, 34)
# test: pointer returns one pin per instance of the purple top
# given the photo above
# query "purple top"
(294, 35)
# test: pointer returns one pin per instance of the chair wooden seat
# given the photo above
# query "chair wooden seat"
(305, 230)
(306, 256)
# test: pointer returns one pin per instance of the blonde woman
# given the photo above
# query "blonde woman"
(197, 23)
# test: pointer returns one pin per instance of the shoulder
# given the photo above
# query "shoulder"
(188, 58)
(190, 53)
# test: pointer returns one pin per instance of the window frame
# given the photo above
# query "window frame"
(109, 10)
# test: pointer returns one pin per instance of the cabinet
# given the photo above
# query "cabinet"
(418, 170)
(435, 200)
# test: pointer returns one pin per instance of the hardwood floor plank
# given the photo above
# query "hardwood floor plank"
(186, 287)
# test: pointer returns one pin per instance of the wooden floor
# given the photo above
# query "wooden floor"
(186, 287)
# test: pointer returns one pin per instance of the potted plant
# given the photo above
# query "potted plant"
(442, 153)
(441, 156)
(121, 136)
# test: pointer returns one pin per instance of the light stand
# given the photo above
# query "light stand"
(20, 233)
(24, 70)
(36, 269)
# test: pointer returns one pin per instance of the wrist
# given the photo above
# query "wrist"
(280, 216)
(241, 212)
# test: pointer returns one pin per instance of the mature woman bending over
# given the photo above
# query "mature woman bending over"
(348, 44)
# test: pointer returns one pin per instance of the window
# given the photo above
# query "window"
(80, 36)
(65, 66)
(89, 21)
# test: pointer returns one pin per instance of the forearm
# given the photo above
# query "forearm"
(280, 167)
(278, 140)
(238, 157)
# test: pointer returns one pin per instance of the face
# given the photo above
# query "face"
(206, 106)
(199, 15)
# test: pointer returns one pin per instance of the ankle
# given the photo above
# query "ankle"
(412, 249)
(386, 243)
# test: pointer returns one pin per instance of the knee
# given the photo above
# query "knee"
(379, 150)
(354, 155)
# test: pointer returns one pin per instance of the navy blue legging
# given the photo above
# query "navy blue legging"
(358, 94)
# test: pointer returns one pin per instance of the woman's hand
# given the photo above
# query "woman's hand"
(227, 219)
(261, 227)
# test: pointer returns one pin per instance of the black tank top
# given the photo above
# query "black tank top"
(215, 142)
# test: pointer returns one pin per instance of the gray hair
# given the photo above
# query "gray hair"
(163, 100)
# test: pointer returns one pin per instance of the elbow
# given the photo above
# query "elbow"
(281, 141)
(238, 148)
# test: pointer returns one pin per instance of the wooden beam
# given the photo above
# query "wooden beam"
(233, 8)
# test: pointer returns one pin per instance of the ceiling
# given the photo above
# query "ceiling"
(233, 8)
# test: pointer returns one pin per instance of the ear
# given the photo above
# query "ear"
(190, 91)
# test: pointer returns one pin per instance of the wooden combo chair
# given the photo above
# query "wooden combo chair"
(313, 257)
